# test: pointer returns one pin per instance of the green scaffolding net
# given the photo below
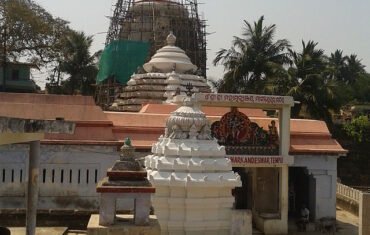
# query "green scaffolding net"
(120, 59)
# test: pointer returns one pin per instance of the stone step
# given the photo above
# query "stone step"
(256, 232)
(309, 228)
(39, 230)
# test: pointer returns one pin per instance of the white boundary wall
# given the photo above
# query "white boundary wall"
(348, 192)
(67, 180)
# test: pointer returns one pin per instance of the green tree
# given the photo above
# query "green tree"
(354, 69)
(358, 129)
(78, 64)
(337, 65)
(30, 32)
(361, 89)
(311, 86)
(346, 69)
(252, 59)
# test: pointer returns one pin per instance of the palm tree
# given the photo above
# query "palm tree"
(252, 59)
(354, 69)
(345, 69)
(78, 63)
(337, 65)
(311, 61)
(312, 88)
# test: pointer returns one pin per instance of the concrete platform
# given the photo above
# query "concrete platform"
(123, 226)
(39, 230)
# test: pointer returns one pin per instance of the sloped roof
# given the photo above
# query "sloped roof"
(95, 127)
(40, 106)
(144, 128)
(91, 122)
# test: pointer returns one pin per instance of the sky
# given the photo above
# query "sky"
(334, 24)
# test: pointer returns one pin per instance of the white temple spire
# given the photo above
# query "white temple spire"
(198, 166)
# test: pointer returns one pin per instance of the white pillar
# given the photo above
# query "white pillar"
(284, 138)
(107, 209)
(284, 197)
(284, 131)
(142, 209)
(32, 189)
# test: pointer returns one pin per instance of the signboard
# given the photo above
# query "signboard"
(254, 161)
(242, 99)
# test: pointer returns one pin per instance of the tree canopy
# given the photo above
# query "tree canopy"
(256, 63)
(77, 63)
(311, 86)
(30, 32)
(252, 58)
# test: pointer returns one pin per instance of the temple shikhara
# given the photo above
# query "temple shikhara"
(193, 178)
(167, 74)
(194, 162)
(138, 29)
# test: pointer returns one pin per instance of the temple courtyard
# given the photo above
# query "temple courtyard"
(347, 225)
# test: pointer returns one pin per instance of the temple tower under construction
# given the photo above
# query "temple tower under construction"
(151, 21)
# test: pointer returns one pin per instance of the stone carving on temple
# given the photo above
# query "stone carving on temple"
(242, 136)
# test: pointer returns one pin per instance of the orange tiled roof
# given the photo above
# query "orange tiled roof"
(95, 127)
(37, 106)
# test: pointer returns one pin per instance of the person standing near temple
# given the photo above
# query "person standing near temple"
(304, 218)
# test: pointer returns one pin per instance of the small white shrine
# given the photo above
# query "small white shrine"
(192, 176)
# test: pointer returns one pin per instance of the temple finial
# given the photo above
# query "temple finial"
(171, 39)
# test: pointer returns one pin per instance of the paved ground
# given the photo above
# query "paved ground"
(39, 231)
(347, 224)
(76, 232)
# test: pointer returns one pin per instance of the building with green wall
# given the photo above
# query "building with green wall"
(17, 77)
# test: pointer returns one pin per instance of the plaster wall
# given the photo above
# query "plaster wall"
(67, 180)
(322, 183)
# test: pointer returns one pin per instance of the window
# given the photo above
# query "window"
(15, 74)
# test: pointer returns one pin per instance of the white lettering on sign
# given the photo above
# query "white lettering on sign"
(253, 160)
(254, 99)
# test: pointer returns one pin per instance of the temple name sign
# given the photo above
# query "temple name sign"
(250, 160)
(240, 100)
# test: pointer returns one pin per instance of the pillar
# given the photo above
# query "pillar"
(142, 209)
(284, 197)
(284, 131)
(107, 209)
(284, 138)
(32, 188)
(364, 214)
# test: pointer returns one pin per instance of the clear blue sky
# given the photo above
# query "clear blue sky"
(334, 24)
